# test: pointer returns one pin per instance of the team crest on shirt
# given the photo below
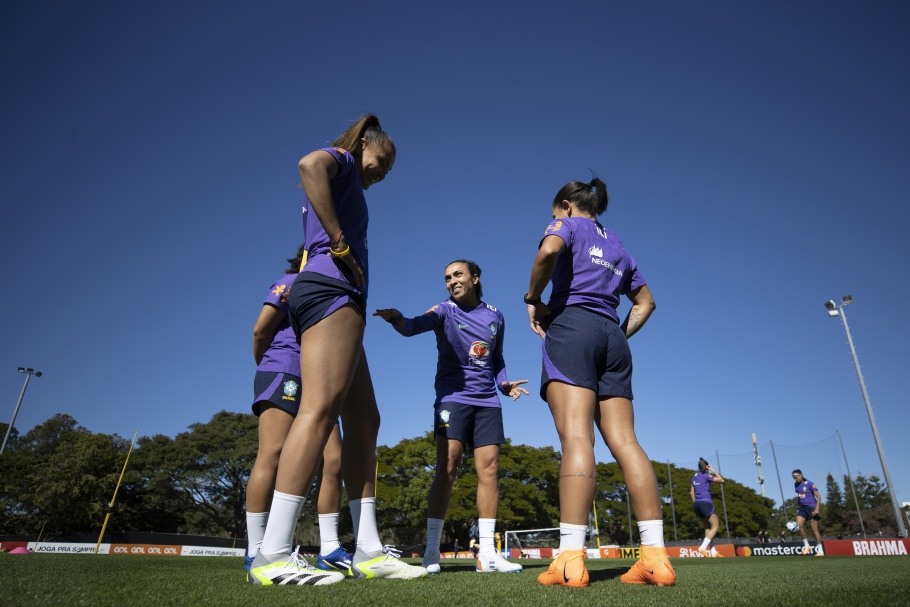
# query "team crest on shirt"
(290, 389)
(493, 329)
(553, 227)
(479, 353)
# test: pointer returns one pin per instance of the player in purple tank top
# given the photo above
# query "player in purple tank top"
(276, 401)
(587, 375)
(328, 313)
(700, 491)
(470, 370)
(810, 503)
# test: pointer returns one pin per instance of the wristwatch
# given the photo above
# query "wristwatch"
(531, 300)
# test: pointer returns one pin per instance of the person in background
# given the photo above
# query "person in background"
(276, 401)
(700, 491)
(470, 370)
(810, 502)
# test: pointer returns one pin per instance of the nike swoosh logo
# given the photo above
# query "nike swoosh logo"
(651, 571)
(564, 576)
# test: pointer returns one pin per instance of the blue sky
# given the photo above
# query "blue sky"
(755, 152)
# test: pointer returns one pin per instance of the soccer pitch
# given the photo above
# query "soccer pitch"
(44, 579)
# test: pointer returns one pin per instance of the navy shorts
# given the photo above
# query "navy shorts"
(703, 509)
(279, 389)
(471, 424)
(587, 350)
(806, 512)
(314, 296)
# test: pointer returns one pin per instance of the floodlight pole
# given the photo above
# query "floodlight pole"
(838, 310)
(28, 375)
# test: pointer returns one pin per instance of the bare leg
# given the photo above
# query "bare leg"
(616, 421)
(329, 500)
(573, 413)
(274, 425)
(360, 420)
(713, 527)
(448, 458)
(486, 462)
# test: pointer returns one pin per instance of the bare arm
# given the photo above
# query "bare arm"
(316, 170)
(692, 492)
(715, 475)
(642, 307)
(541, 272)
(264, 330)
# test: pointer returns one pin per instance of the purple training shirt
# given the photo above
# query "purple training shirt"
(470, 367)
(702, 483)
(806, 492)
(596, 270)
(283, 355)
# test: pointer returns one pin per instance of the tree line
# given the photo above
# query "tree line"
(59, 477)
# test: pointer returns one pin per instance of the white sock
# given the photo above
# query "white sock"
(705, 544)
(279, 531)
(571, 537)
(434, 533)
(367, 534)
(255, 529)
(486, 532)
(652, 533)
(806, 543)
(328, 533)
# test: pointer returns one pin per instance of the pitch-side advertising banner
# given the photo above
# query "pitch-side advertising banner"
(780, 549)
(133, 549)
(868, 547)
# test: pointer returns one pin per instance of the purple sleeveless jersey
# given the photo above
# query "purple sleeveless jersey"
(470, 367)
(353, 217)
(283, 355)
(596, 270)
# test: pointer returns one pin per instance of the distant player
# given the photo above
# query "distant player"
(810, 502)
(469, 373)
(700, 490)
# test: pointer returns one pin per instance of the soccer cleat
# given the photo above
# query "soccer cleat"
(289, 570)
(431, 560)
(807, 550)
(819, 553)
(494, 563)
(652, 568)
(338, 560)
(567, 569)
(247, 561)
(716, 554)
(386, 563)
(705, 553)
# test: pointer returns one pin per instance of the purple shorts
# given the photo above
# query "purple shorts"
(471, 424)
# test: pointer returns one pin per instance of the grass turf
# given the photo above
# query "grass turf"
(46, 579)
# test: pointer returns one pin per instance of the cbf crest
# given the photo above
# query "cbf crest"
(290, 388)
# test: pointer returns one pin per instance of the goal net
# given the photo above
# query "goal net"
(528, 541)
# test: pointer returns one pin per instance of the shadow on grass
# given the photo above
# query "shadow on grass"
(602, 575)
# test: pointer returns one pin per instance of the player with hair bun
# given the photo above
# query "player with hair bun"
(587, 376)
(810, 503)
(700, 491)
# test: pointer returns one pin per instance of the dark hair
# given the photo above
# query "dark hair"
(592, 198)
(365, 131)
(797, 471)
(294, 262)
(702, 464)
(474, 269)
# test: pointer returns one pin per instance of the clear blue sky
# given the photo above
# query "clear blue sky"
(756, 154)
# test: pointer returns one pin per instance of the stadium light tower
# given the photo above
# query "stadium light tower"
(28, 375)
(835, 309)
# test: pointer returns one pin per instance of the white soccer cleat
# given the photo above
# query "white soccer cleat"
(384, 564)
(431, 560)
(289, 570)
(495, 563)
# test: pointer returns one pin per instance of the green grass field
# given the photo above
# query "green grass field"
(46, 579)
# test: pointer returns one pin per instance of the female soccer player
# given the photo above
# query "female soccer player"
(700, 490)
(276, 401)
(810, 503)
(470, 368)
(587, 375)
(328, 313)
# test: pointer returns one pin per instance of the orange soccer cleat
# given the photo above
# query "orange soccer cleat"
(652, 568)
(567, 569)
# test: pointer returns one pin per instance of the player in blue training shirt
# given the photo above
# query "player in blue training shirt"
(587, 376)
(810, 502)
(469, 371)
(700, 490)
